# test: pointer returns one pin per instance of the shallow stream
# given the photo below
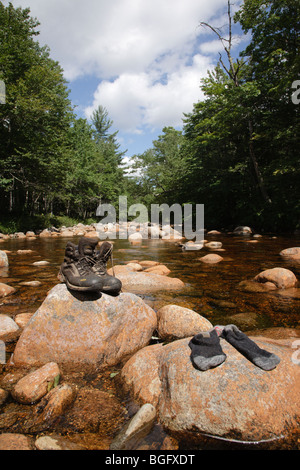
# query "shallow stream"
(211, 290)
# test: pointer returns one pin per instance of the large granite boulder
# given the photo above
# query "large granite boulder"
(235, 400)
(80, 330)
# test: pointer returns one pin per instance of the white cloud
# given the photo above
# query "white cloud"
(108, 38)
(145, 54)
(136, 100)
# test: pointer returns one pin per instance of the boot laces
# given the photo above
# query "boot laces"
(84, 265)
(101, 261)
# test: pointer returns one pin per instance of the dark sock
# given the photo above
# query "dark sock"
(206, 350)
(249, 349)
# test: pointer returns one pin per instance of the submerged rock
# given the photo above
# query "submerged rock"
(138, 426)
(81, 329)
(53, 405)
(56, 442)
(11, 441)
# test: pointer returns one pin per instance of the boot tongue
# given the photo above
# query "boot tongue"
(104, 252)
(86, 246)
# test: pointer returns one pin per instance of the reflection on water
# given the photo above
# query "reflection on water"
(211, 290)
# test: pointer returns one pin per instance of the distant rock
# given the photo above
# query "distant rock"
(135, 238)
(242, 230)
(45, 233)
(282, 278)
(30, 234)
(41, 263)
(211, 259)
(213, 245)
(67, 233)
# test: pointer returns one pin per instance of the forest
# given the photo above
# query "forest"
(237, 152)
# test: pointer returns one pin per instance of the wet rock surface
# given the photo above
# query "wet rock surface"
(78, 329)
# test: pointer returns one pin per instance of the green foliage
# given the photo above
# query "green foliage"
(238, 153)
(161, 168)
(50, 161)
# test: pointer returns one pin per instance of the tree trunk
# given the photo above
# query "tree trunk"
(258, 176)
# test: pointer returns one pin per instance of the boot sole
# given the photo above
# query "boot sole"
(62, 278)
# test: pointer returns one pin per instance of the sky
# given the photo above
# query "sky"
(142, 60)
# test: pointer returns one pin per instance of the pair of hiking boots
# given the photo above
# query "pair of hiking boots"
(84, 267)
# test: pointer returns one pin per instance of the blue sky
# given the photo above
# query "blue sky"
(142, 60)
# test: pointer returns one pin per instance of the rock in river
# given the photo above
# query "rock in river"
(3, 259)
(281, 277)
(234, 400)
(176, 322)
(5, 290)
(291, 253)
(36, 384)
(81, 330)
(145, 282)
(9, 330)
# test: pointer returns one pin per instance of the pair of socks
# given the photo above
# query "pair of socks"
(206, 350)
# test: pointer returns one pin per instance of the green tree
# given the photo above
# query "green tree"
(273, 55)
(111, 167)
(241, 140)
(35, 118)
(161, 167)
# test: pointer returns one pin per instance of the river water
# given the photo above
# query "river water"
(211, 290)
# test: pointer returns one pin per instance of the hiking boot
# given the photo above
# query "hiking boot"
(76, 269)
(111, 284)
